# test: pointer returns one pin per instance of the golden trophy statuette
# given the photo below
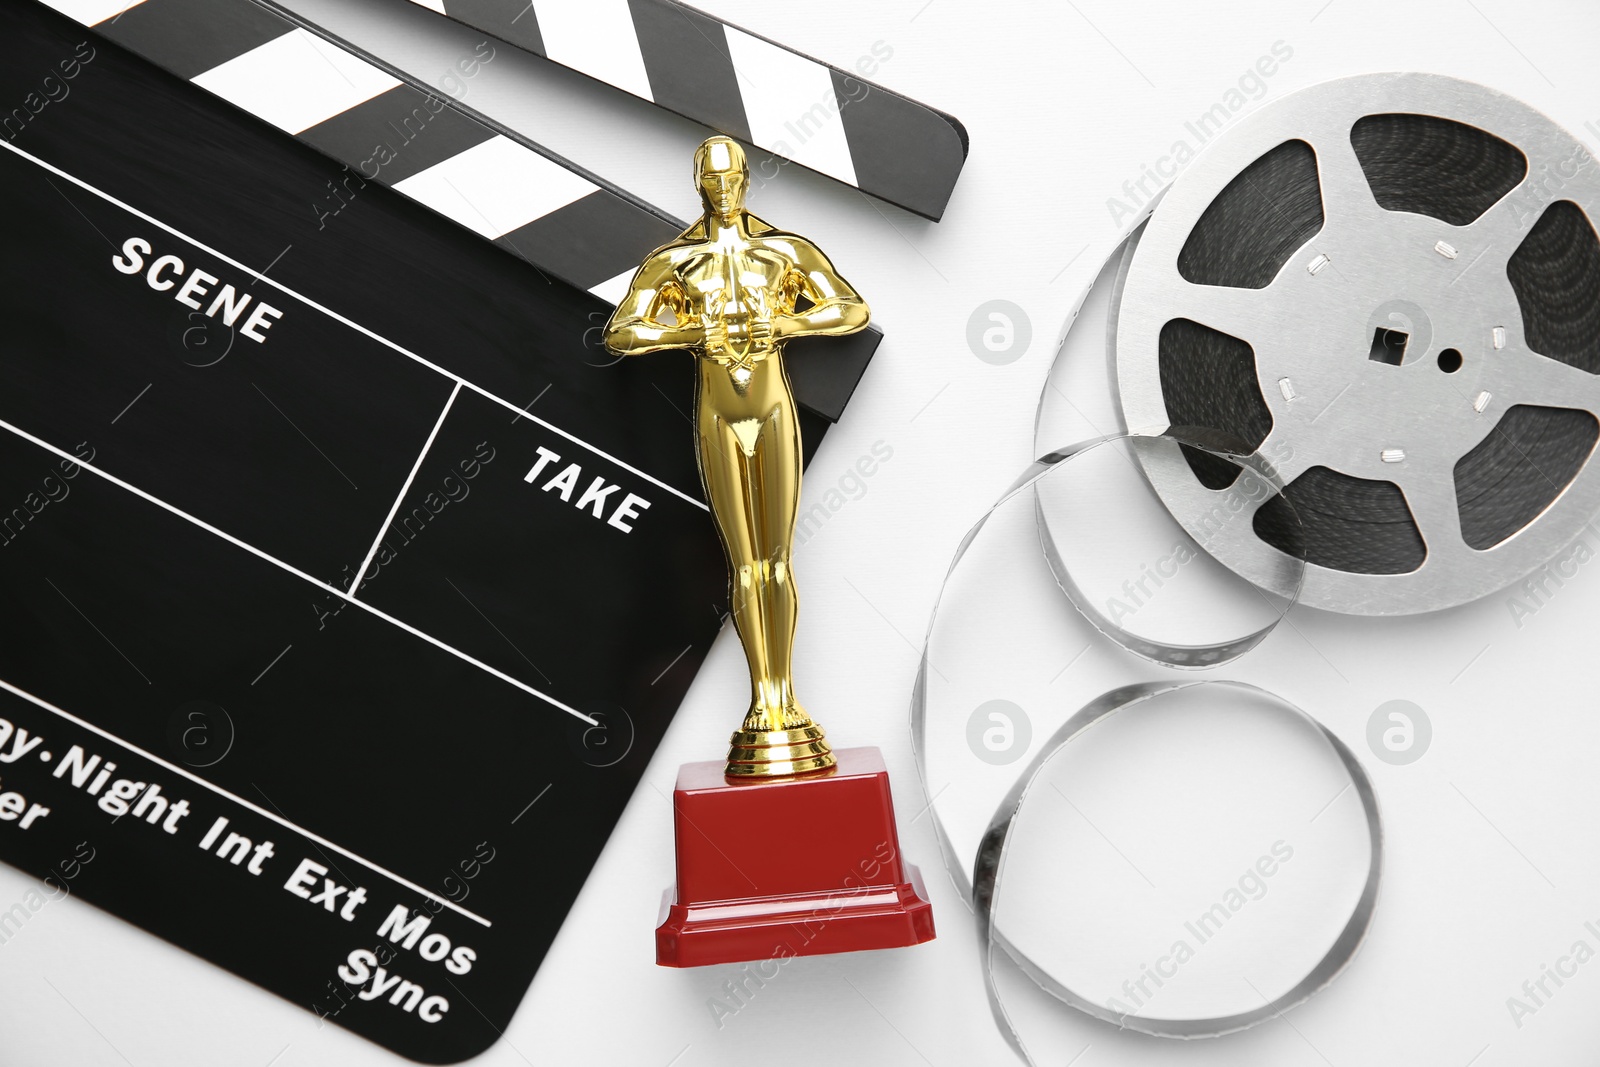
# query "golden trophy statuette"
(733, 290)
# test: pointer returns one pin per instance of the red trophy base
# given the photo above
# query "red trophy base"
(771, 868)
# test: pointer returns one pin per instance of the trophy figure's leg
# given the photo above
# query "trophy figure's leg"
(751, 468)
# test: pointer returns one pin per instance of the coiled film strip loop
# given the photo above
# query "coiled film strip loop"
(1214, 618)
(1045, 502)
(990, 867)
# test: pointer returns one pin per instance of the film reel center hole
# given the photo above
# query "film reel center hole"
(1450, 360)
(1388, 346)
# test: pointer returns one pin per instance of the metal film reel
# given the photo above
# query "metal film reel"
(1389, 286)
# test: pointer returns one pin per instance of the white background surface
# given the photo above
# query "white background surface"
(1064, 103)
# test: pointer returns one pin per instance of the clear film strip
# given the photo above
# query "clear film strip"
(1105, 821)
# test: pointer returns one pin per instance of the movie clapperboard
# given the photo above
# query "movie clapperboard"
(350, 582)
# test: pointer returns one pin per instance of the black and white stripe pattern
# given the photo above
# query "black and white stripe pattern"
(745, 86)
(564, 221)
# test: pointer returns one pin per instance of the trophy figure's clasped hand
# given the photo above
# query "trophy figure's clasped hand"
(740, 343)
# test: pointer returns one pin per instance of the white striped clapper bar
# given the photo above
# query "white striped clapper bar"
(789, 106)
(566, 222)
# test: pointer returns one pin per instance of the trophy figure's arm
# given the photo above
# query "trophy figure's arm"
(636, 328)
(836, 308)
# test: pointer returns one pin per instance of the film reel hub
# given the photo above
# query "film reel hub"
(1383, 286)
(1352, 371)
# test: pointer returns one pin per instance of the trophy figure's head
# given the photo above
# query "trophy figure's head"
(722, 174)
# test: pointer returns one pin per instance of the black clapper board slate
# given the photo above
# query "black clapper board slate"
(183, 511)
